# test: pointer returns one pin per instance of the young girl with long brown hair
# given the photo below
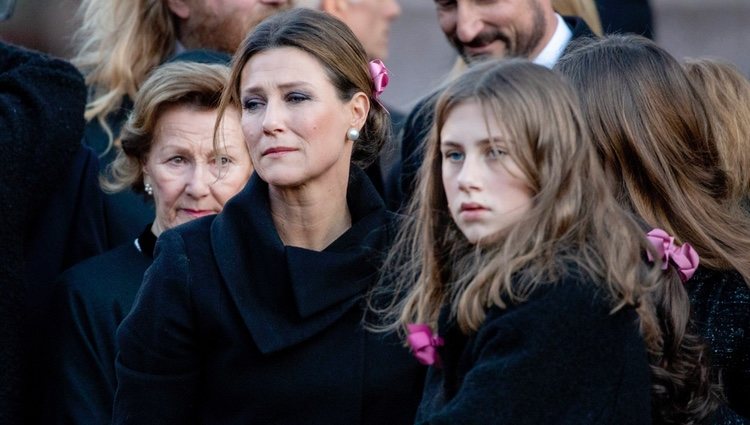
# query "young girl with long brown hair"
(526, 287)
(666, 160)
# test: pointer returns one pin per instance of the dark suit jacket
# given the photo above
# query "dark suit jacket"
(233, 327)
(558, 358)
(417, 127)
(92, 299)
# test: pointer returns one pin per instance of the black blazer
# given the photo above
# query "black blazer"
(92, 299)
(558, 358)
(232, 327)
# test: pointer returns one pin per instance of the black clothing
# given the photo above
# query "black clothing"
(94, 297)
(233, 327)
(720, 303)
(418, 124)
(626, 16)
(41, 122)
(558, 358)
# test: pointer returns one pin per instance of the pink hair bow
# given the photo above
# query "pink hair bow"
(684, 257)
(379, 75)
(423, 344)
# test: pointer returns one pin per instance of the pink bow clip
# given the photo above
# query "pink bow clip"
(379, 75)
(684, 257)
(423, 344)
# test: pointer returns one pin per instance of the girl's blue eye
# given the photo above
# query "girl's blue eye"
(454, 156)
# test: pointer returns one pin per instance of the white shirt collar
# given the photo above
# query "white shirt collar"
(554, 49)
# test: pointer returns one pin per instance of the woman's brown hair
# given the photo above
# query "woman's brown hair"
(573, 221)
(653, 135)
(340, 54)
(725, 92)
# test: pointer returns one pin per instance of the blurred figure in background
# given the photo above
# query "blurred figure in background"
(120, 42)
(168, 156)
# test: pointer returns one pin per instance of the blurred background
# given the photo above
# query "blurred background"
(420, 56)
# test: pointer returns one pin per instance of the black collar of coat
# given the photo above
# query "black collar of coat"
(285, 294)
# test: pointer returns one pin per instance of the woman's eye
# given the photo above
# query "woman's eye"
(177, 160)
(297, 97)
(454, 156)
(251, 104)
(223, 160)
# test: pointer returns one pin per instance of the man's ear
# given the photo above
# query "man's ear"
(336, 8)
(180, 8)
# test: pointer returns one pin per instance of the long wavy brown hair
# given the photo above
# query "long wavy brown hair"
(726, 94)
(574, 221)
(653, 134)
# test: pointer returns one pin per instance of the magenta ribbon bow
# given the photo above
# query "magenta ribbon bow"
(423, 344)
(684, 257)
(379, 75)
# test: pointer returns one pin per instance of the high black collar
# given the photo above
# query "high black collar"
(146, 242)
(286, 295)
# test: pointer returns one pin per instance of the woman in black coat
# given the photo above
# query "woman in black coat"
(255, 316)
(167, 156)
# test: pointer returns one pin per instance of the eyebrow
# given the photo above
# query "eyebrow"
(486, 141)
(283, 86)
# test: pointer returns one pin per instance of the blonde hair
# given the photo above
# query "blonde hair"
(574, 223)
(726, 95)
(655, 139)
(120, 42)
(196, 85)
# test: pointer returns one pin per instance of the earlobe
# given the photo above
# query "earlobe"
(180, 8)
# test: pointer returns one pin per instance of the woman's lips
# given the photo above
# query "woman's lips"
(472, 211)
(197, 213)
(278, 151)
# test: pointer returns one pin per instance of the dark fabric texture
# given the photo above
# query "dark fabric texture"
(417, 127)
(41, 122)
(720, 302)
(233, 327)
(626, 16)
(92, 299)
(558, 358)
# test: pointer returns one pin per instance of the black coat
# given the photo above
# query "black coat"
(233, 327)
(417, 127)
(41, 122)
(93, 298)
(558, 358)
(720, 307)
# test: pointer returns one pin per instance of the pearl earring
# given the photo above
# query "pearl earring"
(148, 188)
(352, 134)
